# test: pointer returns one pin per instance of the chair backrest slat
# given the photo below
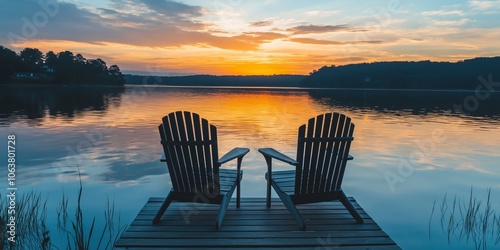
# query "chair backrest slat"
(190, 145)
(200, 152)
(323, 145)
(328, 135)
(300, 158)
(305, 157)
(313, 171)
(322, 151)
(215, 167)
(195, 179)
(337, 160)
(171, 159)
(343, 151)
(187, 169)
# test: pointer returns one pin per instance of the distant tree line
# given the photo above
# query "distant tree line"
(211, 80)
(407, 75)
(31, 65)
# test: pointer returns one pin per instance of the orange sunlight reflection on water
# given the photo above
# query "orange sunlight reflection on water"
(257, 118)
(117, 148)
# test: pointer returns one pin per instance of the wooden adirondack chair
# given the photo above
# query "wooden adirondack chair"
(190, 147)
(322, 153)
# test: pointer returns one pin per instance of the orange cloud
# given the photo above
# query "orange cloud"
(318, 29)
(328, 42)
(261, 23)
(175, 36)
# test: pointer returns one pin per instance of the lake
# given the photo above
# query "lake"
(411, 148)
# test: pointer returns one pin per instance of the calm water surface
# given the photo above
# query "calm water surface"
(410, 148)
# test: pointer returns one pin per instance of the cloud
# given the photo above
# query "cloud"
(264, 36)
(315, 13)
(107, 12)
(134, 22)
(261, 23)
(453, 22)
(245, 41)
(314, 41)
(485, 5)
(172, 8)
(329, 42)
(166, 12)
(443, 13)
(351, 59)
(318, 29)
(28, 19)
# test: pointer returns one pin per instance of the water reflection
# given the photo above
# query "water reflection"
(116, 129)
(112, 135)
(464, 104)
(34, 102)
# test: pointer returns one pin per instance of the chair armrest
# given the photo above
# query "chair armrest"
(269, 154)
(233, 154)
(273, 153)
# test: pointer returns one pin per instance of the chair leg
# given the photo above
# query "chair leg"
(222, 211)
(163, 208)
(268, 192)
(238, 193)
(350, 208)
(293, 211)
(290, 206)
(238, 183)
(269, 176)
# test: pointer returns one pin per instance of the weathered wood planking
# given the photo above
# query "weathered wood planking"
(191, 225)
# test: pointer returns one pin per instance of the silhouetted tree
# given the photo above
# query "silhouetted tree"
(116, 75)
(80, 59)
(9, 61)
(98, 65)
(32, 59)
(50, 59)
(65, 67)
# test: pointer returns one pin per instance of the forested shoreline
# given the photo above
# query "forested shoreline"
(425, 75)
(212, 80)
(462, 75)
(64, 68)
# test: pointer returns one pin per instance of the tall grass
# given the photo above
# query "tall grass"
(32, 231)
(30, 222)
(472, 220)
(79, 237)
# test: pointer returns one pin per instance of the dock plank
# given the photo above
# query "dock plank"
(253, 226)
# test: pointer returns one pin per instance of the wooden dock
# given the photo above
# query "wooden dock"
(253, 226)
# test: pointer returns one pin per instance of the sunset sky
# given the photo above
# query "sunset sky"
(246, 37)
